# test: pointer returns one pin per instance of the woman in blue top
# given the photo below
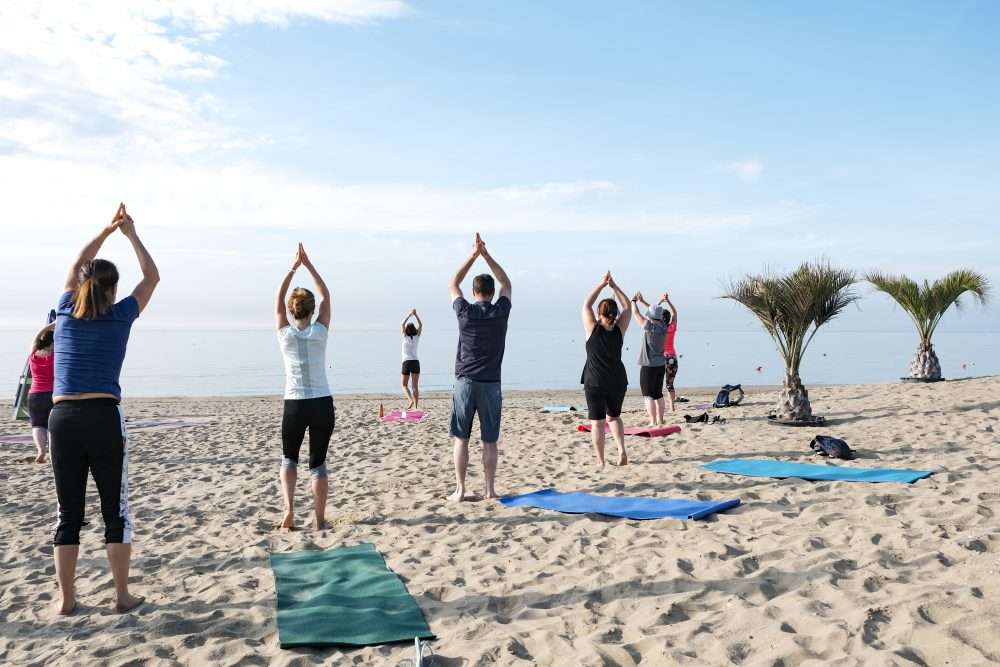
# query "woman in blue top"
(308, 403)
(86, 425)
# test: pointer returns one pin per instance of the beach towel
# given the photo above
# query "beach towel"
(782, 469)
(16, 439)
(641, 431)
(342, 596)
(563, 408)
(412, 416)
(627, 507)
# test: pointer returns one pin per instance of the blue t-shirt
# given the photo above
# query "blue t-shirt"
(482, 334)
(90, 353)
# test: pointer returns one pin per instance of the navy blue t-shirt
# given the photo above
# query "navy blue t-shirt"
(90, 353)
(482, 334)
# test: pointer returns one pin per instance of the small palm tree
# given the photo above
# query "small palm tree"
(926, 304)
(792, 308)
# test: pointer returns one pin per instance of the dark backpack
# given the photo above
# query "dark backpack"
(826, 445)
(728, 396)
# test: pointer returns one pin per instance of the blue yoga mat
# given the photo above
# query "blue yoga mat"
(765, 468)
(628, 507)
(563, 408)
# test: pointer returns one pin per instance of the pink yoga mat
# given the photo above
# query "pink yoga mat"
(641, 431)
(412, 416)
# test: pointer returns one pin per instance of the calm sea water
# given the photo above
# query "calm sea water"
(175, 362)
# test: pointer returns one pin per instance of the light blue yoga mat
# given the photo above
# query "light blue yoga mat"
(628, 507)
(563, 408)
(765, 468)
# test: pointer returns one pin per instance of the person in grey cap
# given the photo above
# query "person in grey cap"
(652, 362)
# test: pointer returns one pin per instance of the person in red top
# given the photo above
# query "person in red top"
(41, 362)
(669, 351)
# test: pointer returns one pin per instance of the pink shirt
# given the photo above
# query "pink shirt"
(41, 372)
(668, 342)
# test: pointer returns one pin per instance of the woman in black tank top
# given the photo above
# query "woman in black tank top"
(604, 379)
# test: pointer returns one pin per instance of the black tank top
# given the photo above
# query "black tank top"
(604, 367)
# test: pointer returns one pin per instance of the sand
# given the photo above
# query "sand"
(803, 573)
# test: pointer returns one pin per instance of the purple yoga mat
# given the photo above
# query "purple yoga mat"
(16, 439)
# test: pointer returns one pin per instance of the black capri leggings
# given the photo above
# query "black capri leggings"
(316, 415)
(89, 436)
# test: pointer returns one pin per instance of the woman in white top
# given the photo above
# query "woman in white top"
(308, 403)
(411, 363)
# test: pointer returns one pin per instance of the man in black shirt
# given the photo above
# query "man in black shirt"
(482, 333)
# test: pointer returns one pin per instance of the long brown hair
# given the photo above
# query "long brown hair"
(608, 308)
(95, 293)
(301, 303)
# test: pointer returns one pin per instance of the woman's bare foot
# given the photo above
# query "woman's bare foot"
(40, 458)
(65, 607)
(622, 459)
(126, 603)
(287, 522)
(457, 497)
(320, 524)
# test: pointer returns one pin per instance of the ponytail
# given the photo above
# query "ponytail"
(93, 296)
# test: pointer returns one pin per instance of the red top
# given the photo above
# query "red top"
(668, 342)
(41, 372)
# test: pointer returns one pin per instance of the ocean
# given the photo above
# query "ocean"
(226, 362)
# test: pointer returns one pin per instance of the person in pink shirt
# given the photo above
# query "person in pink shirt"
(42, 363)
(669, 351)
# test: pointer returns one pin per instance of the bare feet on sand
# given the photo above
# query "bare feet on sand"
(40, 458)
(320, 524)
(65, 607)
(287, 522)
(127, 603)
(458, 496)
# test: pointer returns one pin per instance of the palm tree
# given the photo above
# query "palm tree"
(792, 308)
(926, 304)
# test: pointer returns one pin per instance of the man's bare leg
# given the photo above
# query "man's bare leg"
(650, 410)
(597, 437)
(618, 430)
(287, 478)
(119, 556)
(490, 456)
(661, 417)
(320, 489)
(460, 455)
(65, 557)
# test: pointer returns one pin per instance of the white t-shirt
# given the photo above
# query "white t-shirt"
(304, 352)
(410, 347)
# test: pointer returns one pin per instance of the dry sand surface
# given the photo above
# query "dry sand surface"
(803, 573)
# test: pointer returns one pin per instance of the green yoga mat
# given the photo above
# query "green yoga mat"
(343, 596)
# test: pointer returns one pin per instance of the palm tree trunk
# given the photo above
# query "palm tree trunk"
(793, 402)
(925, 364)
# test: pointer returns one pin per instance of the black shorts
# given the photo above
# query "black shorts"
(316, 415)
(39, 407)
(411, 366)
(651, 381)
(603, 402)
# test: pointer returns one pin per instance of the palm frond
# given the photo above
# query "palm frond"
(926, 304)
(793, 306)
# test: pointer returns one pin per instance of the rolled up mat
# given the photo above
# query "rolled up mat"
(16, 439)
(412, 416)
(343, 596)
(641, 431)
(628, 507)
(563, 408)
(783, 469)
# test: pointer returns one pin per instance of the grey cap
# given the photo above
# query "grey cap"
(655, 313)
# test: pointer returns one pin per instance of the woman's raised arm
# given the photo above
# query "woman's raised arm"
(323, 317)
(90, 250)
(143, 292)
(280, 310)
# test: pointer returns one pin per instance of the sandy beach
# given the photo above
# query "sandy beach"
(802, 573)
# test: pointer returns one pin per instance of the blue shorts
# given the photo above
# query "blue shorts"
(471, 397)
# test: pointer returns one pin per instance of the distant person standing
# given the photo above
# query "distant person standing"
(482, 333)
(669, 351)
(411, 362)
(86, 425)
(652, 362)
(308, 404)
(604, 378)
(41, 362)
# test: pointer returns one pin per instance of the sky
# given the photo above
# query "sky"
(679, 145)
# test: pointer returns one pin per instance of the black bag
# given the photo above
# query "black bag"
(826, 445)
(728, 396)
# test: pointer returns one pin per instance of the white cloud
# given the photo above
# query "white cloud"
(104, 78)
(748, 170)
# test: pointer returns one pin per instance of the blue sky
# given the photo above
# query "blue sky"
(675, 144)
